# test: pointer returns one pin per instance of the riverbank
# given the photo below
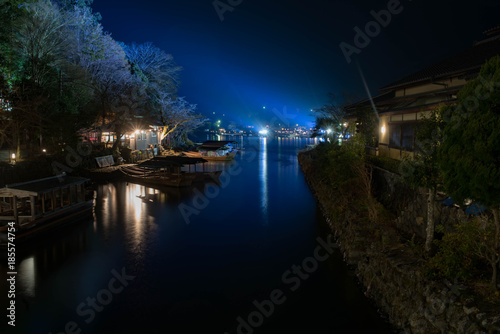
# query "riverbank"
(389, 267)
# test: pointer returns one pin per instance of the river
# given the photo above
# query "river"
(251, 255)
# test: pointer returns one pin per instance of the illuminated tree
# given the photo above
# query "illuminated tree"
(156, 69)
(178, 115)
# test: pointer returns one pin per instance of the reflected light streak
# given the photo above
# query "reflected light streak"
(27, 280)
(136, 227)
(263, 180)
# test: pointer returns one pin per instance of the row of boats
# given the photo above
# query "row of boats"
(28, 208)
(214, 150)
(168, 171)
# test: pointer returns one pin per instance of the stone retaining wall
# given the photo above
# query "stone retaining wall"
(393, 279)
(410, 205)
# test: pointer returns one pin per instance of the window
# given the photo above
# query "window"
(402, 136)
(395, 136)
(407, 137)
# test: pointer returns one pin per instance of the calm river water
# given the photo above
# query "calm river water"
(248, 256)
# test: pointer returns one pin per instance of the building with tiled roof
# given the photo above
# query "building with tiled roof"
(403, 102)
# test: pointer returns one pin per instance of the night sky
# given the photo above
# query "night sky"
(285, 54)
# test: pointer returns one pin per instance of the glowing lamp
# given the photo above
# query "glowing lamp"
(328, 131)
(382, 129)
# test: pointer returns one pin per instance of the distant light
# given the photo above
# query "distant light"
(263, 132)
(264, 107)
(345, 125)
(382, 129)
(44, 151)
(329, 131)
(137, 132)
(13, 156)
(214, 112)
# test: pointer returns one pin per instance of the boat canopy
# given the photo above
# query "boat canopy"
(216, 144)
(41, 186)
(172, 161)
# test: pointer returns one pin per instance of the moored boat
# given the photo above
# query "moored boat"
(213, 150)
(159, 178)
(30, 208)
(167, 171)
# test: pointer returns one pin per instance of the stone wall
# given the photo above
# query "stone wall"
(391, 273)
(410, 205)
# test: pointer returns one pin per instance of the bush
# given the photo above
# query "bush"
(457, 256)
(392, 165)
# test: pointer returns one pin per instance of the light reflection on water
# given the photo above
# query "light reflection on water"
(264, 181)
(198, 277)
(27, 282)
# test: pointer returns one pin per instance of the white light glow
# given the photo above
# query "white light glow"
(382, 129)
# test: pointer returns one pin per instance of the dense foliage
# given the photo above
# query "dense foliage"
(60, 73)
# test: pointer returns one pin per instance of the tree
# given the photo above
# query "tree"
(178, 114)
(109, 77)
(424, 169)
(469, 156)
(333, 117)
(33, 68)
(156, 69)
(39, 40)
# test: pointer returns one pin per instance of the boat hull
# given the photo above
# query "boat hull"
(159, 178)
(229, 156)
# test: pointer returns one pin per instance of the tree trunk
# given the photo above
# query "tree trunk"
(430, 220)
(18, 141)
(495, 258)
(118, 141)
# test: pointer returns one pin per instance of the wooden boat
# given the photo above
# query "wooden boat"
(160, 178)
(30, 208)
(213, 150)
(167, 171)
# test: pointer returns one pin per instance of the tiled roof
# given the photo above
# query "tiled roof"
(468, 61)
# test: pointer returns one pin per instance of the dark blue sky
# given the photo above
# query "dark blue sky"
(279, 53)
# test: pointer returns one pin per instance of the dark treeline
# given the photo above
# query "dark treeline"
(61, 73)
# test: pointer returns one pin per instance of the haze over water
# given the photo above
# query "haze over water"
(197, 271)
